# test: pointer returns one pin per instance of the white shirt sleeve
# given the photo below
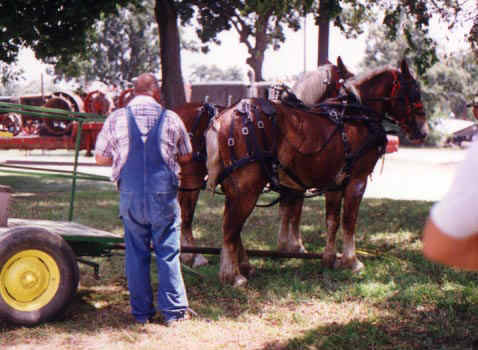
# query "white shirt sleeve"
(457, 213)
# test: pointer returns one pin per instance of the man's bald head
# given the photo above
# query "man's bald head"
(146, 84)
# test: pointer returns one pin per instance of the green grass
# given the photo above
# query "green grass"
(399, 301)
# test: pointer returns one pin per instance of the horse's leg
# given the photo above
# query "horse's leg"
(353, 195)
(333, 203)
(187, 201)
(234, 260)
(290, 211)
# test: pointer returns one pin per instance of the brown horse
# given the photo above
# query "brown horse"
(333, 147)
(314, 87)
(196, 117)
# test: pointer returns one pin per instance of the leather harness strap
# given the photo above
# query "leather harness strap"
(339, 114)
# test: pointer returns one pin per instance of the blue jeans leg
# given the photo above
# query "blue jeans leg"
(172, 299)
(138, 260)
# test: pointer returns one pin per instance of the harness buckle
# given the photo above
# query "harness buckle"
(245, 130)
(230, 142)
(260, 124)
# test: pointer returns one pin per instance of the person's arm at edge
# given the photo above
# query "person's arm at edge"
(442, 248)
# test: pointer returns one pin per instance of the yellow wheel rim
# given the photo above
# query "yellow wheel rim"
(29, 280)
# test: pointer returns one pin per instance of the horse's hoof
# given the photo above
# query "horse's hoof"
(354, 265)
(357, 266)
(187, 259)
(330, 261)
(211, 186)
(302, 250)
(239, 281)
(199, 260)
(292, 249)
(247, 270)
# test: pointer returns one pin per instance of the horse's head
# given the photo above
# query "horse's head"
(405, 104)
(394, 92)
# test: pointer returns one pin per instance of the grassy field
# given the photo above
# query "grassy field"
(399, 301)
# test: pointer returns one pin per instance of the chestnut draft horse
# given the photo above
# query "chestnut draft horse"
(196, 117)
(314, 87)
(333, 147)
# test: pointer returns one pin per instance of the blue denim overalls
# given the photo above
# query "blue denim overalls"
(150, 211)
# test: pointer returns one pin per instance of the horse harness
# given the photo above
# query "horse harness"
(338, 114)
(201, 154)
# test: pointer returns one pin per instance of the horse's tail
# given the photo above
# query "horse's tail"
(214, 163)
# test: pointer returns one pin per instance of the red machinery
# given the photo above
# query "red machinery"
(21, 129)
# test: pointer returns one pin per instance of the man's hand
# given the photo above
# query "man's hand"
(186, 158)
(101, 160)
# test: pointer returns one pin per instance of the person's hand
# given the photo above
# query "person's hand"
(102, 160)
(186, 158)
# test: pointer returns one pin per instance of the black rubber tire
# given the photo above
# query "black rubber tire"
(22, 239)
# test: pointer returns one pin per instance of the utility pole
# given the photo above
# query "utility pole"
(323, 32)
(305, 43)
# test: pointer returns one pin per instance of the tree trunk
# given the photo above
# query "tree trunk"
(256, 59)
(172, 77)
(323, 32)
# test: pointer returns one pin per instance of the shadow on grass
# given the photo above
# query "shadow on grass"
(421, 330)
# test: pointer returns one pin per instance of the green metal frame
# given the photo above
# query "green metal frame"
(55, 113)
(82, 245)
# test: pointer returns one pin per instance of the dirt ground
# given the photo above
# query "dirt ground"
(410, 173)
(414, 174)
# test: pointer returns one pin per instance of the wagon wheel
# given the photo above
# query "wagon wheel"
(12, 123)
(124, 98)
(15, 124)
(57, 127)
(30, 126)
(38, 275)
(96, 102)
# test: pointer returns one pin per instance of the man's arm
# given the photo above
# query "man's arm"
(448, 250)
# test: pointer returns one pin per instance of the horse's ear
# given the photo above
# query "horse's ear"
(340, 64)
(343, 71)
(404, 67)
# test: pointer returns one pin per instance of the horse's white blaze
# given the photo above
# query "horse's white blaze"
(213, 158)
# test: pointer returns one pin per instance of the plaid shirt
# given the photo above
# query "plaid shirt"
(113, 139)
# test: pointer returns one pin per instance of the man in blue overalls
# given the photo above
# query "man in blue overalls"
(145, 144)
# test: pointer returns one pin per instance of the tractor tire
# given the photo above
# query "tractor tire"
(38, 275)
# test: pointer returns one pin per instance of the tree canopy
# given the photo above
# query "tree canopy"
(260, 24)
(54, 29)
(57, 30)
(409, 20)
(118, 48)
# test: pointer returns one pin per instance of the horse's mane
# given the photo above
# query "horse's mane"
(353, 83)
(311, 87)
